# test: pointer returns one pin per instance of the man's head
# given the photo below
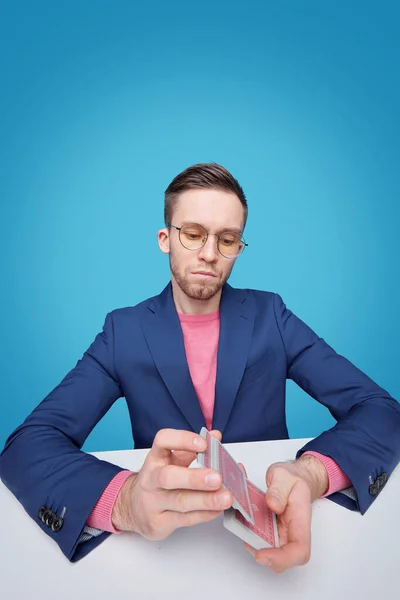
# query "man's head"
(209, 197)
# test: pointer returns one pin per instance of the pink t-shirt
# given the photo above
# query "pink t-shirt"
(200, 334)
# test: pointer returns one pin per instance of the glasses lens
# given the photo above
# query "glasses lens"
(193, 237)
(230, 244)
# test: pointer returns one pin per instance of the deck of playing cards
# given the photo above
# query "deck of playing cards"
(249, 518)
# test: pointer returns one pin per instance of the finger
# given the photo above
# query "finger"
(192, 518)
(243, 469)
(176, 439)
(217, 434)
(297, 550)
(279, 559)
(172, 477)
(181, 458)
(184, 501)
(184, 459)
(250, 549)
(280, 482)
(298, 515)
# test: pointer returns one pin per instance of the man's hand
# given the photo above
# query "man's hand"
(165, 494)
(292, 487)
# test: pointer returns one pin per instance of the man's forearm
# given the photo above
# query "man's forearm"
(123, 511)
(314, 473)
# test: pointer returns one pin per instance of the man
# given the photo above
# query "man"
(200, 353)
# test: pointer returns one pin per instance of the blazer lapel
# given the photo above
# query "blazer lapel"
(163, 333)
(236, 329)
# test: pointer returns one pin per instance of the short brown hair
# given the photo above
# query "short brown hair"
(200, 176)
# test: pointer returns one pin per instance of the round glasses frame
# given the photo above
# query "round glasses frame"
(218, 236)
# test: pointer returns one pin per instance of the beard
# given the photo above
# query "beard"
(201, 290)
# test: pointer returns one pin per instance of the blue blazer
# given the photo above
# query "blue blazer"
(140, 355)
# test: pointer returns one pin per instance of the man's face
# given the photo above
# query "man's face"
(201, 273)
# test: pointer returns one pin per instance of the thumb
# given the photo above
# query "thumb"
(280, 484)
(217, 434)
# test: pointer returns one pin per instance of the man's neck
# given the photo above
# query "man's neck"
(190, 306)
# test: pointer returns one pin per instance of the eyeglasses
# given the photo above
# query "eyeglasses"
(193, 236)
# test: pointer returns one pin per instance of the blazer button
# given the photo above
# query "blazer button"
(50, 519)
(41, 512)
(384, 478)
(57, 524)
(373, 489)
(45, 515)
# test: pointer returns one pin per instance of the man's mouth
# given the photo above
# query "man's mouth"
(203, 274)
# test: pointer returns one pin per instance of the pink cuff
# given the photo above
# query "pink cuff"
(338, 480)
(100, 517)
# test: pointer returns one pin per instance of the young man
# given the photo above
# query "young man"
(199, 354)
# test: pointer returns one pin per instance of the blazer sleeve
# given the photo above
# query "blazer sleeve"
(42, 463)
(365, 442)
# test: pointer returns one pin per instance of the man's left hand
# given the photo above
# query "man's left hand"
(292, 487)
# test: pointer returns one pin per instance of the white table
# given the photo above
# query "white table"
(353, 556)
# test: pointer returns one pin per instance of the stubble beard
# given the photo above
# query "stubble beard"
(203, 290)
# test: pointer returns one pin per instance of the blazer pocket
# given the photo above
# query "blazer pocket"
(257, 371)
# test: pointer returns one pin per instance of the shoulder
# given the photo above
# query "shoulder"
(131, 312)
(261, 301)
(256, 297)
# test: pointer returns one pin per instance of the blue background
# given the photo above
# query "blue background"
(103, 102)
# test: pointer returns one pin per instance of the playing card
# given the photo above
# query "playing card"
(264, 532)
(218, 458)
(235, 481)
(205, 459)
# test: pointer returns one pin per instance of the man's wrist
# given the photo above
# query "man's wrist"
(315, 474)
(122, 516)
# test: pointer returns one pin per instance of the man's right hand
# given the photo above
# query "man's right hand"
(165, 494)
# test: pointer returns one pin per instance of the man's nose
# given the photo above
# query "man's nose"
(209, 252)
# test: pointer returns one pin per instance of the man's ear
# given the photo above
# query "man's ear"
(163, 240)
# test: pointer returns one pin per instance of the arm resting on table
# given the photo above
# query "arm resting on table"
(365, 442)
(42, 463)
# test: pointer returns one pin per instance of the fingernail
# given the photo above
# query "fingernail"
(212, 479)
(198, 441)
(223, 499)
(265, 562)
